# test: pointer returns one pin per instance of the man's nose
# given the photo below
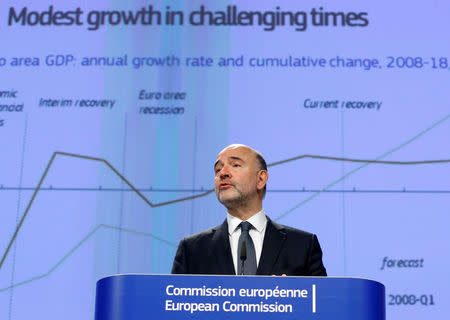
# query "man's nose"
(225, 173)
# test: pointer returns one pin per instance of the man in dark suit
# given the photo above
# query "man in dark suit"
(248, 242)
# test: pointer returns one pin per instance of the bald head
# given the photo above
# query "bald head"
(261, 162)
(237, 156)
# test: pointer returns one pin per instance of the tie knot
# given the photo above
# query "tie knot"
(246, 226)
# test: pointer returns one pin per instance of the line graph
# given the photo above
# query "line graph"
(73, 155)
(203, 194)
(366, 161)
(78, 245)
(378, 159)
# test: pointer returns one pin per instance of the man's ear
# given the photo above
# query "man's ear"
(261, 177)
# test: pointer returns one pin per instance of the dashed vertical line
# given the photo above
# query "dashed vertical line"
(119, 243)
(13, 271)
(343, 196)
(194, 165)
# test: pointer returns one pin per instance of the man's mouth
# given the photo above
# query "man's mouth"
(225, 185)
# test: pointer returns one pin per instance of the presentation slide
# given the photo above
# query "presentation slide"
(112, 114)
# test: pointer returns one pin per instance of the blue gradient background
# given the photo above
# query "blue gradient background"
(72, 238)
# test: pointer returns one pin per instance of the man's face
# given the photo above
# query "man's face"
(236, 176)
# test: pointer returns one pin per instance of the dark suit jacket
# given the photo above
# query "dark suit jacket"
(285, 251)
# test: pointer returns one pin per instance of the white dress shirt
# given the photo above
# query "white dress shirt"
(259, 222)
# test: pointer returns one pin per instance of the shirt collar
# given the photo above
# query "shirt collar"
(258, 220)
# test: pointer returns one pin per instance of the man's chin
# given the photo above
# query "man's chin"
(228, 198)
(225, 198)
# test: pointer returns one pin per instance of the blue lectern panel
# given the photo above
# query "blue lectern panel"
(132, 297)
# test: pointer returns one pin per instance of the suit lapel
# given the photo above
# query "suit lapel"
(221, 251)
(274, 238)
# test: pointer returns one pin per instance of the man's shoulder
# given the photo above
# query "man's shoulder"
(202, 235)
(291, 231)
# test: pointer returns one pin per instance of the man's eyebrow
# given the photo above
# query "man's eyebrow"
(235, 158)
(230, 158)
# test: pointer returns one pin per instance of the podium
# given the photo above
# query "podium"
(176, 297)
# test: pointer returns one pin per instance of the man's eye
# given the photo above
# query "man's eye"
(236, 165)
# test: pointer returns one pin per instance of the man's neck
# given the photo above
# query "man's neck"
(245, 212)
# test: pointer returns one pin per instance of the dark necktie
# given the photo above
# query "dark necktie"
(247, 265)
